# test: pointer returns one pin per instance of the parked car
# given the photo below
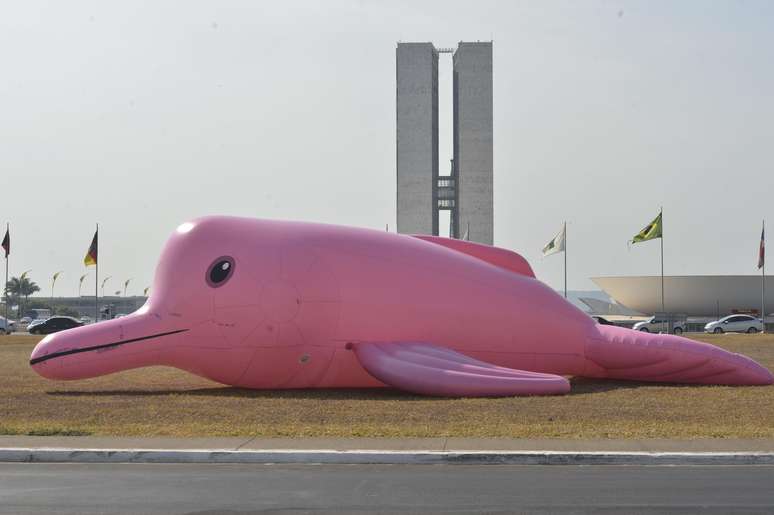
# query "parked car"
(53, 325)
(7, 326)
(658, 325)
(85, 320)
(33, 323)
(25, 320)
(735, 324)
(602, 320)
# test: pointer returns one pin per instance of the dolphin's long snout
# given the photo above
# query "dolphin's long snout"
(102, 348)
(626, 354)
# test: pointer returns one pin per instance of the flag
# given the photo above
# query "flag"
(7, 242)
(56, 276)
(762, 248)
(80, 283)
(91, 255)
(118, 292)
(105, 280)
(126, 285)
(145, 291)
(651, 231)
(557, 244)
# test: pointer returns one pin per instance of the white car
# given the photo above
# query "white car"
(7, 326)
(658, 325)
(735, 324)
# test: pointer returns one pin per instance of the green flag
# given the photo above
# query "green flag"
(650, 232)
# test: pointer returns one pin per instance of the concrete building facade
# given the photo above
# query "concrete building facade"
(468, 191)
(473, 150)
(417, 137)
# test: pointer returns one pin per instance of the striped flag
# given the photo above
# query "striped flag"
(762, 248)
(91, 255)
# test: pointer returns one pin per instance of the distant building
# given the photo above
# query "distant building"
(85, 305)
(692, 295)
(417, 137)
(468, 191)
(473, 151)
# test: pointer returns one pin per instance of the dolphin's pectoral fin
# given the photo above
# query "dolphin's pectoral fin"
(433, 370)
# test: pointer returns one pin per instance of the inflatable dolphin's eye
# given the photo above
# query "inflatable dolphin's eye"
(219, 271)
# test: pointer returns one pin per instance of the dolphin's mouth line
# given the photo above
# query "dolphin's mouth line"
(101, 346)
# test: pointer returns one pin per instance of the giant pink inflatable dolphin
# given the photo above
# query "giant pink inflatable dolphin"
(270, 304)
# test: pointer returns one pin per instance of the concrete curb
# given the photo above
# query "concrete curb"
(361, 457)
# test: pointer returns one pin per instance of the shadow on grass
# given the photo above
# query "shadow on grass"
(365, 394)
(585, 385)
(579, 386)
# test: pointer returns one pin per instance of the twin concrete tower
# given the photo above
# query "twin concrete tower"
(467, 192)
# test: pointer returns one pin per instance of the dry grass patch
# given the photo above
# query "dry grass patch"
(162, 401)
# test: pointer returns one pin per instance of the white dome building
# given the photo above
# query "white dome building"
(691, 295)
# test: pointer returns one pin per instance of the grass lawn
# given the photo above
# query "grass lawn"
(166, 402)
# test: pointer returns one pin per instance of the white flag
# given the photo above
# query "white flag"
(557, 244)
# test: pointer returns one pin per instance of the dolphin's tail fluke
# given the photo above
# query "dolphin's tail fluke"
(620, 353)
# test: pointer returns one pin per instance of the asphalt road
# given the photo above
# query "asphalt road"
(242, 489)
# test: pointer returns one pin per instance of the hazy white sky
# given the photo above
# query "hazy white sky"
(141, 115)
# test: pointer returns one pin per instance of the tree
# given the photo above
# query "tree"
(21, 288)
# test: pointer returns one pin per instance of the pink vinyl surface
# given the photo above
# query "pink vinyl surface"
(275, 304)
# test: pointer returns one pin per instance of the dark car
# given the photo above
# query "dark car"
(602, 320)
(54, 325)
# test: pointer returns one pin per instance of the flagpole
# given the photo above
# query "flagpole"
(763, 279)
(96, 280)
(663, 309)
(5, 284)
(565, 260)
